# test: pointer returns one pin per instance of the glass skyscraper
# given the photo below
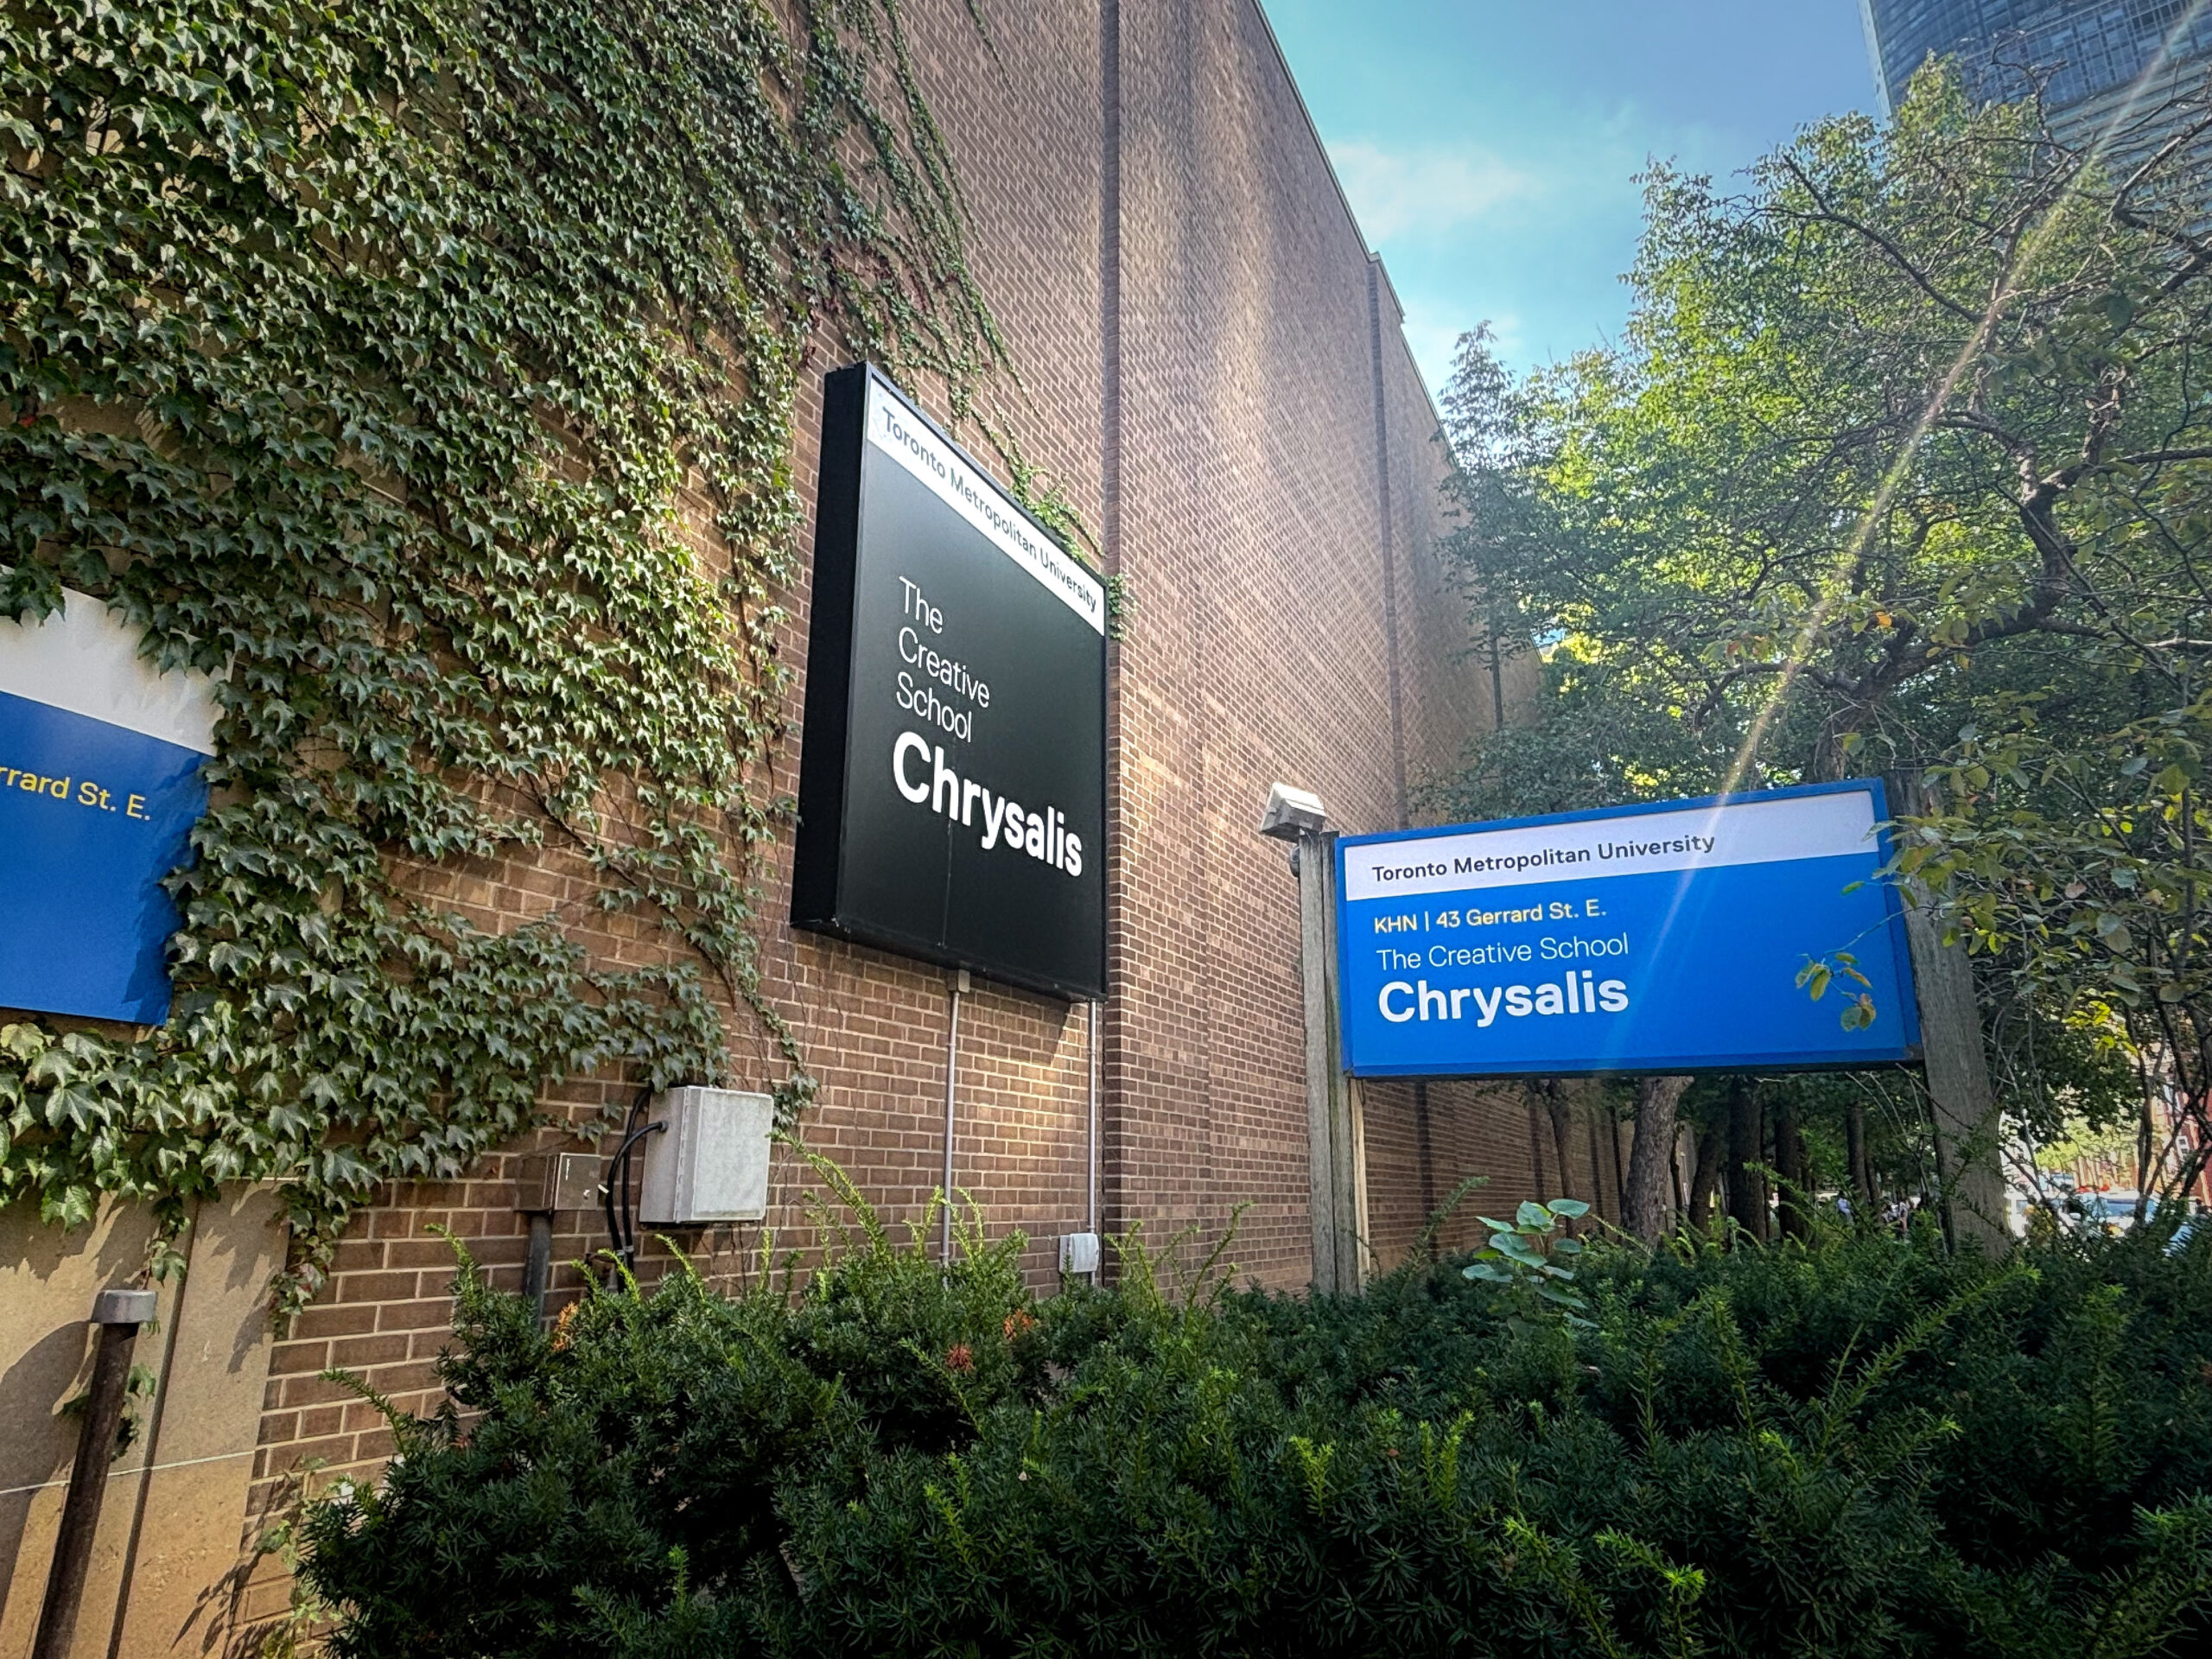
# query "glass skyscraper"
(2093, 50)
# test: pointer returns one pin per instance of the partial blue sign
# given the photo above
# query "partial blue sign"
(100, 788)
(1661, 938)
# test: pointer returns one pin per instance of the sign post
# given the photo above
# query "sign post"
(1335, 1137)
(1962, 1103)
(1334, 1128)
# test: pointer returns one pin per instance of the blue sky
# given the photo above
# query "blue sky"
(1489, 147)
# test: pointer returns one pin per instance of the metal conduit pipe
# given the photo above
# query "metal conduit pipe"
(116, 1314)
(538, 1265)
(1090, 1140)
(952, 1078)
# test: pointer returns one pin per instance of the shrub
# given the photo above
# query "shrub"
(1862, 1447)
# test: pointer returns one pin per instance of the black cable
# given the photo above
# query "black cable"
(624, 1236)
(606, 1181)
(616, 1176)
(622, 1155)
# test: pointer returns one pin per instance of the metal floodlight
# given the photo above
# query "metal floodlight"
(1292, 813)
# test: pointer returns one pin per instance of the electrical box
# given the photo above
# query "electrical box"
(710, 1163)
(1079, 1253)
(546, 1182)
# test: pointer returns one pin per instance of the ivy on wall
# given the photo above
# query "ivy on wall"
(427, 369)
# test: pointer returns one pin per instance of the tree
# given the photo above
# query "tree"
(1905, 458)
(1647, 1205)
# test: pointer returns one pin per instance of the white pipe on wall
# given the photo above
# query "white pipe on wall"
(1091, 1142)
(952, 1078)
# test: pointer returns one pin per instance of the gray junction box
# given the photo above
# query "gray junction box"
(710, 1164)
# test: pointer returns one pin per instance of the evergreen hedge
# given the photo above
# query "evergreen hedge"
(1865, 1446)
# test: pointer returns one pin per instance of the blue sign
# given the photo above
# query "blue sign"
(96, 809)
(1647, 939)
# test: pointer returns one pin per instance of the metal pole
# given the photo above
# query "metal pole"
(118, 1313)
(1321, 1082)
(951, 1077)
(538, 1265)
(1092, 1144)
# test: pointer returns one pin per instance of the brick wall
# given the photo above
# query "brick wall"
(1212, 369)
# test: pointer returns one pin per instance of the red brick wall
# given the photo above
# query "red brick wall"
(1188, 308)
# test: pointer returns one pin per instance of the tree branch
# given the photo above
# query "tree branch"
(1912, 273)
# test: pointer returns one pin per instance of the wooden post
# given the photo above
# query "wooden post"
(1963, 1100)
(1351, 1184)
(1334, 1130)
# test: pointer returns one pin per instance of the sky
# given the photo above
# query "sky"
(1491, 147)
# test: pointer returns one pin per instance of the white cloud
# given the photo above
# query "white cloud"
(1425, 191)
(1435, 339)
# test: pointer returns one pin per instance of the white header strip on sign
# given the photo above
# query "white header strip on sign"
(84, 659)
(1704, 837)
(982, 503)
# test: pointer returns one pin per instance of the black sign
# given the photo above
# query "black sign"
(952, 780)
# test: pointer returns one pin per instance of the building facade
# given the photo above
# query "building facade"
(1213, 370)
(2094, 53)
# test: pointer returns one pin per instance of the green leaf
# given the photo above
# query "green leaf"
(427, 358)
